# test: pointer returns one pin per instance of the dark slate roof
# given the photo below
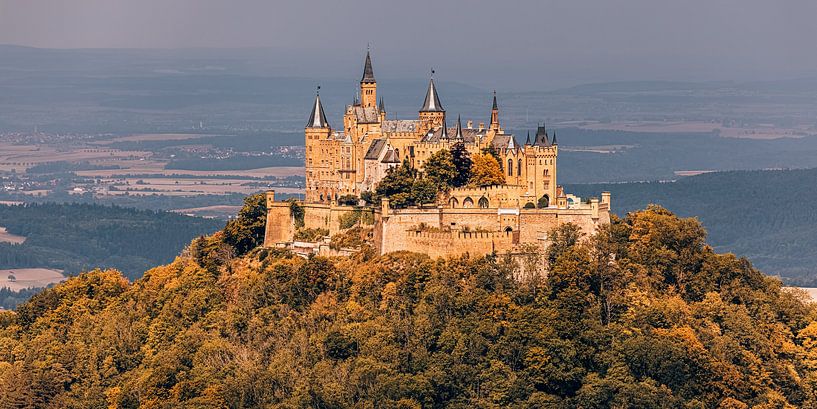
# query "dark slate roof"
(368, 73)
(391, 157)
(432, 101)
(527, 140)
(554, 138)
(494, 107)
(541, 137)
(468, 135)
(504, 142)
(374, 149)
(399, 125)
(458, 132)
(366, 115)
(317, 119)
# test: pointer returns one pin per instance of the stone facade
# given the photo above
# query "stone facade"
(352, 160)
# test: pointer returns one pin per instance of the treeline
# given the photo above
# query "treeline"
(645, 315)
(768, 216)
(78, 237)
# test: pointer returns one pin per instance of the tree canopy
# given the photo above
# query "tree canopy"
(485, 171)
(644, 314)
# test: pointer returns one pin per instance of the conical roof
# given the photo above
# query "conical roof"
(494, 107)
(541, 137)
(458, 134)
(368, 73)
(527, 141)
(554, 138)
(432, 101)
(317, 119)
(444, 133)
(382, 106)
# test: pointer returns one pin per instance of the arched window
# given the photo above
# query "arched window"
(467, 203)
(519, 167)
(546, 172)
(510, 167)
(508, 229)
(454, 202)
(483, 202)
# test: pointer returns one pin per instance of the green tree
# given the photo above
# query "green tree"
(441, 170)
(462, 162)
(423, 191)
(246, 231)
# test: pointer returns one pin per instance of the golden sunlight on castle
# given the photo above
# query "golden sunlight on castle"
(350, 161)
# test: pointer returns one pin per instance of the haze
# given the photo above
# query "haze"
(509, 44)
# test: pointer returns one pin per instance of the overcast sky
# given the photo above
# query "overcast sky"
(542, 42)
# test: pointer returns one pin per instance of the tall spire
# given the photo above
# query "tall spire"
(432, 101)
(368, 73)
(444, 134)
(317, 119)
(495, 115)
(382, 106)
(527, 141)
(458, 134)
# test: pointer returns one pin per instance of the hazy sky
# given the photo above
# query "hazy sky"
(539, 41)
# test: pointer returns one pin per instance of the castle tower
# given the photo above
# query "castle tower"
(494, 116)
(432, 114)
(316, 131)
(368, 85)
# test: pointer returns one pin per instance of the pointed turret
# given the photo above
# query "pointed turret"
(368, 72)
(432, 101)
(495, 115)
(541, 137)
(444, 134)
(458, 133)
(382, 106)
(317, 119)
(554, 139)
(368, 85)
(527, 140)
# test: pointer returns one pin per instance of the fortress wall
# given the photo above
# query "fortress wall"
(280, 225)
(324, 216)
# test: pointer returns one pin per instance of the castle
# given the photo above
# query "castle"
(352, 160)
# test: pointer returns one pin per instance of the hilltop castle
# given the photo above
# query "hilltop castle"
(352, 160)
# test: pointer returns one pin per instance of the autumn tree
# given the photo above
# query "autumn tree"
(440, 169)
(485, 171)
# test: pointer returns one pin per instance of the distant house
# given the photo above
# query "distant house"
(12, 278)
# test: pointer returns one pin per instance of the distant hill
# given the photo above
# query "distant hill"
(768, 216)
(79, 237)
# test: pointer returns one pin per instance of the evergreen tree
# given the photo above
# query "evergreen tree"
(462, 162)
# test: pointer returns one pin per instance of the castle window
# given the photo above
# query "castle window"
(483, 202)
(510, 167)
(468, 203)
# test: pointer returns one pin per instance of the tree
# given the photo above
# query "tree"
(396, 185)
(485, 171)
(423, 191)
(441, 170)
(348, 200)
(462, 161)
(247, 230)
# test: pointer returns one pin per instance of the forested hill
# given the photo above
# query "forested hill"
(78, 237)
(768, 216)
(643, 316)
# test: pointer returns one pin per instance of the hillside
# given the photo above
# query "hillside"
(79, 237)
(645, 316)
(769, 217)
